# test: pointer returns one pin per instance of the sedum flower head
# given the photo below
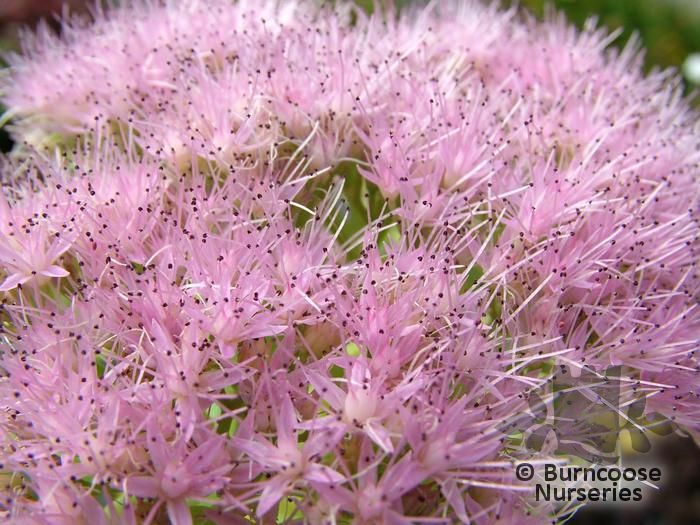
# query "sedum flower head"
(263, 261)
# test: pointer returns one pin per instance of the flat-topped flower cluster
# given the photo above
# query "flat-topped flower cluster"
(268, 262)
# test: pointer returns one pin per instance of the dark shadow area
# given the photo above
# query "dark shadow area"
(677, 502)
(6, 141)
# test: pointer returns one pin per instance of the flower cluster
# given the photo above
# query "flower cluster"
(269, 262)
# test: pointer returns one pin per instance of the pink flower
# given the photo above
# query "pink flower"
(290, 462)
(32, 257)
(178, 473)
(265, 258)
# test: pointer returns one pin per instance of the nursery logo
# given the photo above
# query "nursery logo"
(602, 483)
(583, 416)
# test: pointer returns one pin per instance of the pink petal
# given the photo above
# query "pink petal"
(394, 518)
(159, 451)
(202, 458)
(179, 513)
(319, 442)
(454, 497)
(260, 451)
(380, 436)
(93, 511)
(274, 490)
(336, 495)
(12, 281)
(328, 391)
(286, 420)
(402, 477)
(54, 271)
(359, 374)
(323, 474)
(143, 486)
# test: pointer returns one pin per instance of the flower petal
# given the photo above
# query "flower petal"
(274, 490)
(12, 281)
(179, 513)
(379, 435)
(54, 271)
(323, 474)
(143, 486)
